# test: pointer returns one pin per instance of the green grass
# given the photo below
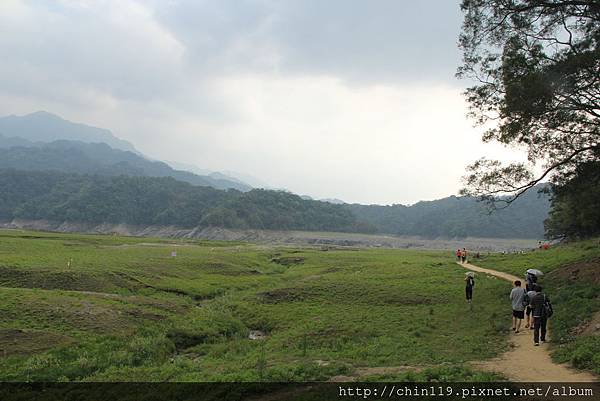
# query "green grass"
(572, 282)
(125, 310)
(544, 260)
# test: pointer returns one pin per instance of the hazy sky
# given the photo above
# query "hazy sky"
(349, 99)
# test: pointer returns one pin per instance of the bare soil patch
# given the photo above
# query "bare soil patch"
(288, 260)
(324, 240)
(584, 271)
(56, 280)
(25, 342)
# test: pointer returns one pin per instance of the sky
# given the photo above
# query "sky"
(347, 99)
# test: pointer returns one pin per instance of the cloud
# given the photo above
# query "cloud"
(104, 47)
(340, 98)
(317, 135)
(374, 42)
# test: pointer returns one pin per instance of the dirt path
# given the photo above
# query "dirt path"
(524, 362)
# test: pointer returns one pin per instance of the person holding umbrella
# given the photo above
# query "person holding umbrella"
(531, 276)
(470, 283)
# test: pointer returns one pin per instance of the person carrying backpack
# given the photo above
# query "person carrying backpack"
(541, 310)
(528, 311)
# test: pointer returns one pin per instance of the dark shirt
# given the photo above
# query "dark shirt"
(470, 282)
(531, 279)
(537, 304)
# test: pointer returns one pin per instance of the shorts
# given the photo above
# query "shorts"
(519, 314)
(528, 310)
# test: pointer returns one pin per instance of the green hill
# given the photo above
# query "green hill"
(460, 217)
(98, 158)
(60, 196)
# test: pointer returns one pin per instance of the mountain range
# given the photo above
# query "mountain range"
(36, 142)
(42, 126)
(89, 175)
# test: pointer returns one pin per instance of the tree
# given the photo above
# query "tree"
(536, 67)
(575, 209)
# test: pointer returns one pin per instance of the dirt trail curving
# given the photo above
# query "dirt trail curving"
(525, 362)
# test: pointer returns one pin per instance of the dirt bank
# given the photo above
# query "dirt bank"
(276, 237)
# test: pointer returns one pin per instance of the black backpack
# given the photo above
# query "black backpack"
(548, 310)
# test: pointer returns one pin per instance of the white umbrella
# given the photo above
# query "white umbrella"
(469, 274)
(535, 272)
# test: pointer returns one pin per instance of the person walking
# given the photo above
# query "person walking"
(458, 255)
(463, 255)
(541, 309)
(470, 283)
(528, 310)
(531, 280)
(517, 298)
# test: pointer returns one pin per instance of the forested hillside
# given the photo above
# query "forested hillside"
(97, 158)
(59, 196)
(460, 217)
(161, 201)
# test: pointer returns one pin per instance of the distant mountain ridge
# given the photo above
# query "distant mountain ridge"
(98, 158)
(42, 126)
(457, 217)
(47, 141)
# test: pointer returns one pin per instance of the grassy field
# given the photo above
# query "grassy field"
(572, 282)
(106, 308)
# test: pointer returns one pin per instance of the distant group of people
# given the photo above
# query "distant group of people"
(532, 302)
(543, 245)
(461, 255)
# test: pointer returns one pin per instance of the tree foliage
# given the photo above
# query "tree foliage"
(536, 68)
(576, 204)
(56, 196)
(459, 217)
